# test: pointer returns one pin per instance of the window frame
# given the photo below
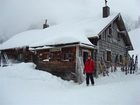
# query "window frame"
(108, 55)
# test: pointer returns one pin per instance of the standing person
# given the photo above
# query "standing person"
(89, 70)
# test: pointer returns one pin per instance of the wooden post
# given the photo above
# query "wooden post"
(1, 59)
(105, 2)
(78, 69)
(45, 25)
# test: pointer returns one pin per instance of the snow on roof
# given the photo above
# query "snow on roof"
(92, 27)
(40, 48)
(45, 37)
(60, 34)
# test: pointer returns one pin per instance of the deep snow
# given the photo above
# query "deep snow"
(21, 84)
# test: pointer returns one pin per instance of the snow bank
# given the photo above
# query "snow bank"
(135, 39)
(21, 84)
(27, 71)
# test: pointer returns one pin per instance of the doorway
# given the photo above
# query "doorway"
(85, 55)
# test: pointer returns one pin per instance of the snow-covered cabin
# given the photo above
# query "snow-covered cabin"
(62, 49)
(57, 48)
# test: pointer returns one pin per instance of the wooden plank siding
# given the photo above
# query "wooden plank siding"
(58, 64)
(57, 59)
(61, 63)
(19, 54)
(113, 42)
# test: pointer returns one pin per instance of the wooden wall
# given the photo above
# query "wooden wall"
(18, 54)
(111, 41)
(58, 61)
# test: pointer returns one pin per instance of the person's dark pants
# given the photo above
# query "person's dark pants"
(89, 76)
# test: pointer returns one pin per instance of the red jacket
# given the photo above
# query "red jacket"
(89, 66)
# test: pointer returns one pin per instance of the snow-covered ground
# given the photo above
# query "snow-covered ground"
(21, 84)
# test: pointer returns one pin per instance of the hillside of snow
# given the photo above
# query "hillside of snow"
(135, 39)
(21, 84)
(19, 15)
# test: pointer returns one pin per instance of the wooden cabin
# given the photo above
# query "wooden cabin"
(62, 50)
(63, 60)
(113, 42)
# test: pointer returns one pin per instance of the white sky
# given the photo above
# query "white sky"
(135, 39)
(60, 34)
(19, 15)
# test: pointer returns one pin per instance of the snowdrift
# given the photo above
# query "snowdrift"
(21, 84)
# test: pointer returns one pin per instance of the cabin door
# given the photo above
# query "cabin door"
(85, 55)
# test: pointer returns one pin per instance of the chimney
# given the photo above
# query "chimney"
(45, 25)
(106, 10)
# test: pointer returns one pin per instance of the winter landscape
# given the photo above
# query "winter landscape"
(22, 84)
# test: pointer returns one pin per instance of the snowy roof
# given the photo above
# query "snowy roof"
(60, 34)
(93, 27)
(45, 37)
(40, 48)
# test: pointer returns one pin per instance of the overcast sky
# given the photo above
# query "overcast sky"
(19, 15)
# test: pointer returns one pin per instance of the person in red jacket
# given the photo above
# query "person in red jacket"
(89, 70)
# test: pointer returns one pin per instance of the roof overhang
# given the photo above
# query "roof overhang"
(126, 38)
(62, 45)
(122, 28)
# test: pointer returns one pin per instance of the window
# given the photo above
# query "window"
(119, 37)
(20, 57)
(110, 30)
(108, 36)
(108, 55)
(99, 36)
(116, 59)
(104, 36)
(51, 56)
(121, 59)
(67, 56)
